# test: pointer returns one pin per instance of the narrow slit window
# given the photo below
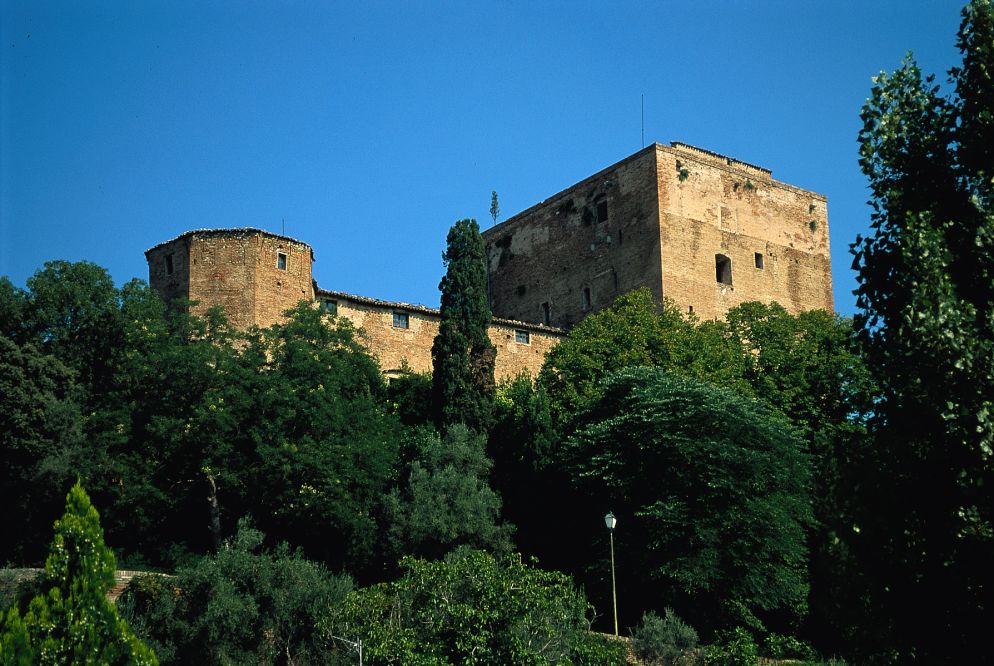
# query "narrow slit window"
(281, 261)
(400, 320)
(602, 210)
(522, 337)
(546, 313)
(586, 298)
(722, 269)
(169, 264)
(759, 260)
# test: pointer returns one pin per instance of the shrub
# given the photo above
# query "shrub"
(738, 649)
(663, 640)
(776, 646)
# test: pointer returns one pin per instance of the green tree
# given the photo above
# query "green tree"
(926, 294)
(462, 356)
(713, 490)
(808, 367)
(73, 622)
(446, 499)
(635, 331)
(40, 419)
(241, 605)
(472, 608)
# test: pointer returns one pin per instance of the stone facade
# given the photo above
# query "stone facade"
(254, 275)
(707, 231)
(401, 335)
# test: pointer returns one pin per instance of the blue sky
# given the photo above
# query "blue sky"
(371, 127)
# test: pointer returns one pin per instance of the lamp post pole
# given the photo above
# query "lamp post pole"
(611, 521)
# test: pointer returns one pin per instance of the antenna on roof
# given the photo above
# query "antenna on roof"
(283, 223)
(643, 121)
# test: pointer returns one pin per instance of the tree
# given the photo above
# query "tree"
(808, 367)
(926, 294)
(473, 608)
(494, 206)
(241, 605)
(713, 488)
(446, 500)
(73, 622)
(635, 331)
(462, 356)
(40, 419)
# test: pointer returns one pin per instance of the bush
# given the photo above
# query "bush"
(663, 640)
(738, 649)
(776, 646)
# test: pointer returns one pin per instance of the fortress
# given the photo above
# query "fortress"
(707, 231)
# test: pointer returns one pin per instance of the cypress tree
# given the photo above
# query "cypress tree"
(73, 622)
(462, 355)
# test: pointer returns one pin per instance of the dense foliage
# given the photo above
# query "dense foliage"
(472, 608)
(462, 356)
(72, 621)
(926, 293)
(714, 487)
(241, 605)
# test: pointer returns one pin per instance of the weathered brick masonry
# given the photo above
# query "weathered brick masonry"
(254, 275)
(402, 334)
(705, 230)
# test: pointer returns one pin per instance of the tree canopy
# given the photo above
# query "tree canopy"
(926, 294)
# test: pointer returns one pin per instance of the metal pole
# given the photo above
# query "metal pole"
(614, 592)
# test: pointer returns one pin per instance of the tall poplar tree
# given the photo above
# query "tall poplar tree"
(463, 356)
(926, 291)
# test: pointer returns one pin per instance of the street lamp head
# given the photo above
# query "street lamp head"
(610, 521)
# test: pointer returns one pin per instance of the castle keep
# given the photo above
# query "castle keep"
(708, 232)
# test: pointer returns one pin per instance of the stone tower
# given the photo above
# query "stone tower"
(253, 274)
(704, 230)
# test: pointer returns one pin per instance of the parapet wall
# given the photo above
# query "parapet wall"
(401, 335)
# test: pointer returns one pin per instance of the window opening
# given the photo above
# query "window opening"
(522, 337)
(400, 320)
(722, 269)
(281, 261)
(169, 264)
(331, 307)
(759, 260)
(690, 310)
(546, 313)
(602, 210)
(586, 298)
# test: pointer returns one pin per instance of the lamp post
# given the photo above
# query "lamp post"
(611, 521)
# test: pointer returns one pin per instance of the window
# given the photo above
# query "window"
(400, 320)
(690, 309)
(759, 260)
(522, 337)
(331, 307)
(281, 261)
(602, 210)
(586, 298)
(722, 269)
(169, 264)
(546, 313)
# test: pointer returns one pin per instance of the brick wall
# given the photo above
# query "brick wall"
(658, 219)
(520, 346)
(723, 206)
(580, 249)
(238, 269)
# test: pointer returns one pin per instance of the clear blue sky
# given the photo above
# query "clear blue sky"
(372, 127)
